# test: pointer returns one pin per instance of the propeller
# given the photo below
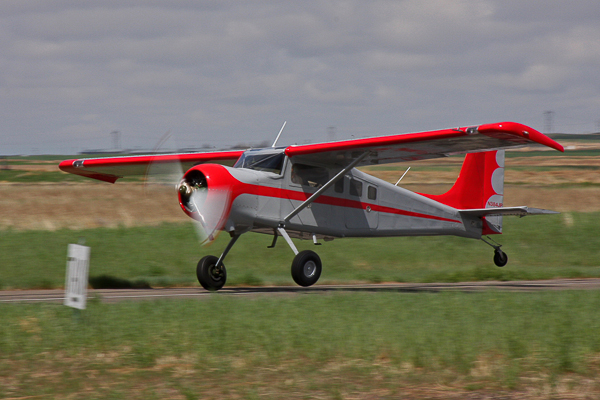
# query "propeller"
(159, 175)
(205, 204)
(191, 187)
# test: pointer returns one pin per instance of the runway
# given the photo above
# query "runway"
(116, 295)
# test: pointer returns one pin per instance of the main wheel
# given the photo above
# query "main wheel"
(500, 258)
(210, 277)
(306, 268)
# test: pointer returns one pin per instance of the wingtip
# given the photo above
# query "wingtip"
(523, 131)
(66, 165)
(69, 167)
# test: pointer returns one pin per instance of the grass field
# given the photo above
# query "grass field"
(338, 346)
(544, 247)
(141, 235)
(359, 346)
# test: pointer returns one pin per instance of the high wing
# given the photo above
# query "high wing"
(110, 169)
(379, 150)
(421, 146)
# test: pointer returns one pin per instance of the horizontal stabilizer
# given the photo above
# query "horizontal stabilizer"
(521, 211)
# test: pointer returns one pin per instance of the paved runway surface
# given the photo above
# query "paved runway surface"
(114, 295)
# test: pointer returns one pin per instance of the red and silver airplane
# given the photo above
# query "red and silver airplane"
(316, 192)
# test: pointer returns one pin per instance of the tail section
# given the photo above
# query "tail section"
(480, 185)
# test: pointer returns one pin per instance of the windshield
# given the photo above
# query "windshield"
(261, 162)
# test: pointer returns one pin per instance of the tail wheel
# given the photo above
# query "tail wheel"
(500, 258)
(306, 268)
(210, 277)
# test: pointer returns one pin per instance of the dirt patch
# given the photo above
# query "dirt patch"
(558, 199)
(519, 170)
(574, 186)
(82, 206)
(31, 165)
(523, 177)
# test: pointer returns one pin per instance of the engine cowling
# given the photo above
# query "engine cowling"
(205, 194)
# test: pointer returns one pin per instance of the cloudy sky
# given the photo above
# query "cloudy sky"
(224, 72)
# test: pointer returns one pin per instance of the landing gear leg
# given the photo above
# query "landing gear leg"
(500, 257)
(211, 272)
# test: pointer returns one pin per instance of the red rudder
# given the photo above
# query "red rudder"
(479, 185)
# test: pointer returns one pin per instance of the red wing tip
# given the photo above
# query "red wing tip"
(69, 167)
(66, 165)
(524, 131)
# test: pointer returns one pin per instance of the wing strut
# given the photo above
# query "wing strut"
(325, 187)
(405, 172)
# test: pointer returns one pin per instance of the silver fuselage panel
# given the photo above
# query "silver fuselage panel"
(358, 205)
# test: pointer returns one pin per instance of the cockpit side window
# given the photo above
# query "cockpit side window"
(309, 175)
(261, 162)
(356, 188)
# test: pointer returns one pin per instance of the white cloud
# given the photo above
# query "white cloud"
(230, 71)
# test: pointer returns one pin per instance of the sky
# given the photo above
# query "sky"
(219, 73)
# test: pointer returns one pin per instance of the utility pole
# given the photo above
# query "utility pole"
(549, 121)
(116, 138)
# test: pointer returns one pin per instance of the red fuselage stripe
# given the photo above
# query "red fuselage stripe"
(266, 191)
(219, 177)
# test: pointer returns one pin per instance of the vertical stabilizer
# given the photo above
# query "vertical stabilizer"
(479, 185)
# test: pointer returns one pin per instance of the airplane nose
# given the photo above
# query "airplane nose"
(204, 194)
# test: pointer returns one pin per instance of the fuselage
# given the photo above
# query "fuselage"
(263, 193)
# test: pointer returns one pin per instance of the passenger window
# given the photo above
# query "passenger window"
(355, 188)
(339, 186)
(372, 193)
(309, 175)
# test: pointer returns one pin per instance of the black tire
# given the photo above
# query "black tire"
(209, 277)
(306, 268)
(500, 258)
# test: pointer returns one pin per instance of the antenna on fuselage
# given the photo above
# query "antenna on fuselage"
(281, 130)
(405, 172)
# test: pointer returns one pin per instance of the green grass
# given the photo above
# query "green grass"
(16, 175)
(22, 176)
(58, 158)
(447, 168)
(541, 247)
(547, 153)
(456, 168)
(583, 137)
(301, 346)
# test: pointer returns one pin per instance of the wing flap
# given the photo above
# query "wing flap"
(110, 169)
(422, 145)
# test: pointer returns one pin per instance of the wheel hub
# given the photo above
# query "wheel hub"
(216, 273)
(309, 269)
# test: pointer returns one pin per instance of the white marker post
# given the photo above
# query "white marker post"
(78, 262)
